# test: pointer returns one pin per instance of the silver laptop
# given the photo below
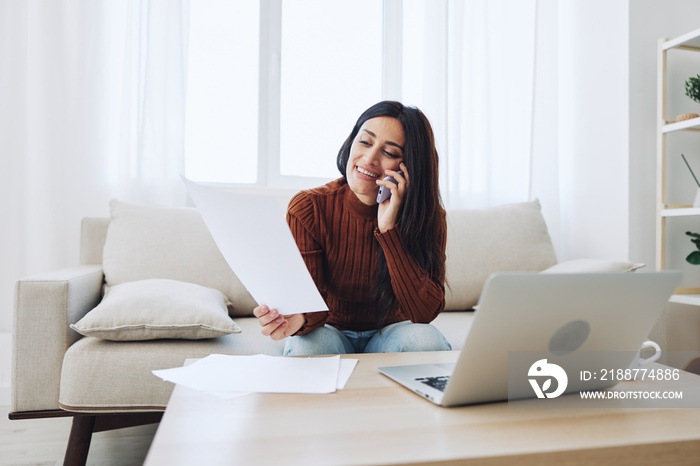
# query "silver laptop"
(579, 322)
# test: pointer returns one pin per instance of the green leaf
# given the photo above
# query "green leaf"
(692, 88)
(693, 258)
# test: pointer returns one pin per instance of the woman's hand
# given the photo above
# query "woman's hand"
(389, 210)
(276, 325)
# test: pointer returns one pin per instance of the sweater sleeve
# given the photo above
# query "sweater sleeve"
(301, 218)
(420, 297)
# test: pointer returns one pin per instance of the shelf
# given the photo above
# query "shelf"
(690, 40)
(692, 125)
(681, 212)
(687, 42)
(691, 299)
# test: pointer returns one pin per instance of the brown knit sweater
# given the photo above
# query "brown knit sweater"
(337, 235)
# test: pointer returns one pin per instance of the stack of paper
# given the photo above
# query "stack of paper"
(230, 376)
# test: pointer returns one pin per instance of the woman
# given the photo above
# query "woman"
(379, 267)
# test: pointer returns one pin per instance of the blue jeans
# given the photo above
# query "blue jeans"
(395, 338)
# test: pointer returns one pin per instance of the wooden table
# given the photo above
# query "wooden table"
(375, 421)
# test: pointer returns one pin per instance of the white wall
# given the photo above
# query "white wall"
(650, 20)
(593, 129)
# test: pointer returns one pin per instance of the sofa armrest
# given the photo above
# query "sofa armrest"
(45, 306)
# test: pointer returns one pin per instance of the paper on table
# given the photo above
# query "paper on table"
(259, 373)
(347, 366)
(252, 235)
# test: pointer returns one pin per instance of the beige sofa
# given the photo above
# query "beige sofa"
(103, 376)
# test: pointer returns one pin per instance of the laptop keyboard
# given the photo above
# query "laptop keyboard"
(439, 383)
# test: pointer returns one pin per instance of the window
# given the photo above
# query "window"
(274, 86)
(413, 53)
(331, 71)
(221, 127)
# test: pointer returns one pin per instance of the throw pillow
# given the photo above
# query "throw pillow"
(593, 266)
(144, 242)
(158, 309)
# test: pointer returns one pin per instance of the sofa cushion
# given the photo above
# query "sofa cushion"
(593, 266)
(509, 237)
(158, 308)
(145, 242)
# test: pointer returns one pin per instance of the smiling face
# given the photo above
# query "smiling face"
(378, 146)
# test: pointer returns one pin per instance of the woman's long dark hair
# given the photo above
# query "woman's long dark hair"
(421, 212)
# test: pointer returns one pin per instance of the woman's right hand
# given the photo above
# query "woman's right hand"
(276, 325)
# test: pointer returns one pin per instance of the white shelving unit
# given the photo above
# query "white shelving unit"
(667, 127)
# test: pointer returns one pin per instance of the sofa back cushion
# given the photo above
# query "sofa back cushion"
(505, 238)
(144, 242)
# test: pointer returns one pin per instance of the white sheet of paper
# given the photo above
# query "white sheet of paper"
(347, 366)
(260, 374)
(254, 238)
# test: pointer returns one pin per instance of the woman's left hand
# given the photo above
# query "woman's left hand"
(389, 210)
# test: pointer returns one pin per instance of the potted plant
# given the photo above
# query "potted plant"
(692, 90)
(694, 257)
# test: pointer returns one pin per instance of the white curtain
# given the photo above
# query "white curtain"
(488, 82)
(147, 99)
(491, 51)
(92, 108)
(486, 77)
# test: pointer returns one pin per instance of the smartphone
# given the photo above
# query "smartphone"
(385, 193)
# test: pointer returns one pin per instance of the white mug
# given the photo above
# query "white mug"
(639, 361)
